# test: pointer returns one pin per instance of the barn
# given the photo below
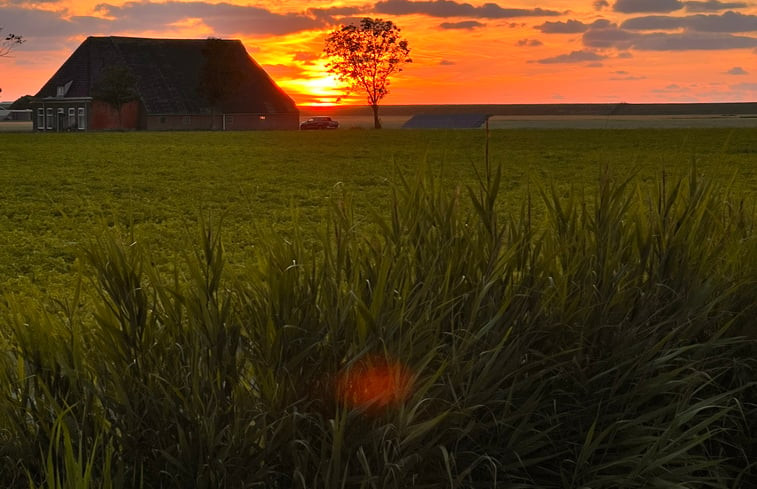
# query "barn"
(169, 84)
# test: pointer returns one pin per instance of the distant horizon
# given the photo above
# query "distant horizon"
(464, 51)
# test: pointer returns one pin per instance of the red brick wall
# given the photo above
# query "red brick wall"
(104, 116)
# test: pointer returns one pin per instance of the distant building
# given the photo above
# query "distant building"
(175, 81)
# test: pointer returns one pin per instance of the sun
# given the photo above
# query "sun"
(318, 90)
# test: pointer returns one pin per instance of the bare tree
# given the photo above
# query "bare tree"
(366, 56)
(9, 42)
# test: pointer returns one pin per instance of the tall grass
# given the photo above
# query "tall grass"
(611, 345)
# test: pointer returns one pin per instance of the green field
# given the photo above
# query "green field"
(59, 190)
(379, 309)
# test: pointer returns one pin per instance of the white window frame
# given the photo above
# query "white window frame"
(71, 118)
(40, 119)
(82, 119)
(49, 115)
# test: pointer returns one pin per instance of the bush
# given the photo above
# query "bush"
(441, 345)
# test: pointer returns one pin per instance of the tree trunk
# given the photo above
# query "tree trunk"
(376, 121)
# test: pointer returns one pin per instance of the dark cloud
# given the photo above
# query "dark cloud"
(43, 24)
(600, 4)
(752, 87)
(446, 62)
(529, 43)
(609, 36)
(613, 36)
(727, 22)
(574, 57)
(560, 27)
(640, 6)
(449, 8)
(737, 70)
(466, 24)
(223, 18)
(712, 6)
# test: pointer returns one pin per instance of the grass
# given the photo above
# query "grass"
(447, 325)
(58, 189)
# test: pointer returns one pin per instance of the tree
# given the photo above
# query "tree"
(9, 42)
(221, 76)
(365, 56)
(116, 87)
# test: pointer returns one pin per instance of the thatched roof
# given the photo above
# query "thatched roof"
(169, 75)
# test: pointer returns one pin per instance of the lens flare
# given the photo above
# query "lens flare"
(374, 384)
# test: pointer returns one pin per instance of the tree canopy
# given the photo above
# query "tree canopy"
(365, 56)
(116, 86)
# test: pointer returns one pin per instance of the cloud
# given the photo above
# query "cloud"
(737, 70)
(284, 71)
(672, 88)
(466, 24)
(574, 57)
(727, 22)
(328, 14)
(449, 8)
(530, 42)
(712, 6)
(223, 18)
(627, 78)
(745, 86)
(600, 4)
(305, 56)
(38, 24)
(639, 6)
(614, 37)
(446, 62)
(560, 27)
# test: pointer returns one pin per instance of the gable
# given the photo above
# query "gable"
(169, 75)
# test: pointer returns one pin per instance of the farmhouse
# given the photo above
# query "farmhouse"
(165, 84)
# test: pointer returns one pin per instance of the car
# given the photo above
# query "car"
(320, 122)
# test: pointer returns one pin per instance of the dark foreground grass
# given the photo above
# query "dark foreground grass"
(610, 345)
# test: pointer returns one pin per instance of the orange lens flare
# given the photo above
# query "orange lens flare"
(374, 384)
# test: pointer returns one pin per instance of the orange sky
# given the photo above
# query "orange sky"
(505, 51)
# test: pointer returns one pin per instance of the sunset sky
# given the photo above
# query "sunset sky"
(464, 52)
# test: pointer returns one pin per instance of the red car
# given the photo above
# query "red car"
(319, 122)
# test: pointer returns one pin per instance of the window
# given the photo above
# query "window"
(49, 118)
(82, 119)
(61, 119)
(41, 119)
(71, 118)
(187, 120)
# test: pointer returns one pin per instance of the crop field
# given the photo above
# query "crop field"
(379, 309)
(59, 190)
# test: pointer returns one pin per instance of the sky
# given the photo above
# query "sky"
(463, 52)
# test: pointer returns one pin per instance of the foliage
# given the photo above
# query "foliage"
(366, 56)
(219, 78)
(8, 42)
(116, 86)
(608, 345)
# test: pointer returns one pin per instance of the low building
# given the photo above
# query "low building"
(178, 84)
